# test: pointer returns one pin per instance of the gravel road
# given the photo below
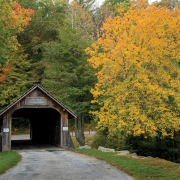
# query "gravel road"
(55, 163)
(42, 161)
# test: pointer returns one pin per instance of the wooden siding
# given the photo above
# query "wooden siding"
(51, 127)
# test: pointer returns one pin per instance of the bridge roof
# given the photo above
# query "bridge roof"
(43, 90)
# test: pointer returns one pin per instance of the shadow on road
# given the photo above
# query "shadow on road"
(28, 144)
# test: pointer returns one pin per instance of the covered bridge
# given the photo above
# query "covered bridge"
(48, 118)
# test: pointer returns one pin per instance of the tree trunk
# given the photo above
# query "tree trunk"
(79, 129)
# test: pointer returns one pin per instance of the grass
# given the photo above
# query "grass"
(154, 169)
(139, 169)
(8, 159)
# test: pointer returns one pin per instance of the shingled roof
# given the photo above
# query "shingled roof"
(43, 90)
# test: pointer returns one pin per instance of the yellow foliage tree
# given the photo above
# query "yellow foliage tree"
(137, 62)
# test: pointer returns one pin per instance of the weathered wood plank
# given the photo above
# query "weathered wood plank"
(48, 117)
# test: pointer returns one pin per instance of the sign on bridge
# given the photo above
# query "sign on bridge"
(36, 101)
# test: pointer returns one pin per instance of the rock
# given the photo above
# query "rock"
(85, 147)
(100, 148)
(134, 154)
(136, 157)
(147, 158)
(103, 149)
(123, 153)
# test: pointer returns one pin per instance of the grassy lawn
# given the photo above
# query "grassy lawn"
(138, 168)
(8, 159)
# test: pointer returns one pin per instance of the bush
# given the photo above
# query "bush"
(20, 126)
(101, 138)
(20, 123)
(167, 148)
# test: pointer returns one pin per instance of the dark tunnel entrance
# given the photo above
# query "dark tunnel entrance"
(48, 118)
(45, 126)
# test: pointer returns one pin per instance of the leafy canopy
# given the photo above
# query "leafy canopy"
(13, 61)
(13, 18)
(137, 62)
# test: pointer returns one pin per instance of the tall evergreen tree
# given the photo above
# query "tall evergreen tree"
(46, 21)
(68, 76)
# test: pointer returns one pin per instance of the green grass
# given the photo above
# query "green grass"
(139, 169)
(8, 159)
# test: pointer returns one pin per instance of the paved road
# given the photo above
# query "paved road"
(20, 137)
(27, 136)
(55, 163)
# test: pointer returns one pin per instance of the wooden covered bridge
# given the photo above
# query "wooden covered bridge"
(48, 118)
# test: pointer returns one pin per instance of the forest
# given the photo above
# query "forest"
(115, 65)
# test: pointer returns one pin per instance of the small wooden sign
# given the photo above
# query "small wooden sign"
(36, 101)
(65, 128)
(5, 129)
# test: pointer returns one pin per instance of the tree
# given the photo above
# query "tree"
(68, 76)
(3, 73)
(81, 20)
(87, 5)
(17, 78)
(109, 8)
(55, 43)
(171, 4)
(137, 63)
(46, 21)
(115, 2)
(13, 18)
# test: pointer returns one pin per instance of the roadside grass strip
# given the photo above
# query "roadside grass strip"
(8, 159)
(138, 168)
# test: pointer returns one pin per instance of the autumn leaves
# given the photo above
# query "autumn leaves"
(136, 59)
(12, 20)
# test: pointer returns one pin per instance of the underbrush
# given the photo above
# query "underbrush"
(16, 131)
(88, 140)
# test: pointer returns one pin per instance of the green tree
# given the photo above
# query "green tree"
(55, 43)
(17, 80)
(13, 19)
(46, 21)
(68, 76)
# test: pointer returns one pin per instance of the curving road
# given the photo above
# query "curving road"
(55, 163)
